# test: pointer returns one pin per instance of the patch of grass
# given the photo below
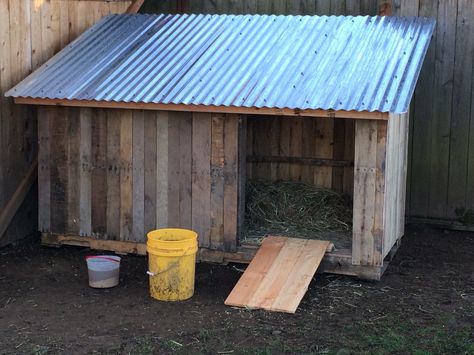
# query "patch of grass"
(405, 338)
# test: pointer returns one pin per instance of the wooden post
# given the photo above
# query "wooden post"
(369, 192)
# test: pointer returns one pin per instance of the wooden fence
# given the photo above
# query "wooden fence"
(441, 151)
(441, 170)
(31, 31)
(303, 7)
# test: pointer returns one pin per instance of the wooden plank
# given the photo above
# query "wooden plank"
(442, 106)
(279, 275)
(276, 277)
(85, 188)
(63, 23)
(44, 169)
(138, 176)
(422, 125)
(274, 144)
(296, 147)
(285, 134)
(162, 169)
(242, 180)
(349, 146)
(294, 289)
(263, 136)
(74, 166)
(324, 149)
(337, 179)
(59, 172)
(173, 170)
(338, 7)
(201, 177)
(113, 174)
(150, 171)
(363, 115)
(217, 182)
(302, 161)
(458, 183)
(323, 7)
(185, 165)
(99, 172)
(369, 180)
(255, 272)
(231, 181)
(126, 183)
(308, 150)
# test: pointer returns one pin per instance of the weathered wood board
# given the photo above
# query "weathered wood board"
(279, 274)
(117, 174)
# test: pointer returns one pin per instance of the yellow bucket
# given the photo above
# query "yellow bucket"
(171, 263)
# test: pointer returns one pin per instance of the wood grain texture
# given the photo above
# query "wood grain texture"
(369, 193)
(32, 31)
(231, 181)
(279, 274)
(201, 177)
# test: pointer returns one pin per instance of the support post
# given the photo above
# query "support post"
(369, 192)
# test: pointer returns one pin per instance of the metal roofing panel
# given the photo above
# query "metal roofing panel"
(299, 62)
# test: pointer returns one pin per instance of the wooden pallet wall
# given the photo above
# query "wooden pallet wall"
(317, 151)
(117, 174)
(31, 31)
(294, 7)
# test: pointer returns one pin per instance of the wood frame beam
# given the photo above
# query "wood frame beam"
(18, 197)
(363, 115)
(135, 6)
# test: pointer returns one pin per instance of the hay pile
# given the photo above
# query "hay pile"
(294, 209)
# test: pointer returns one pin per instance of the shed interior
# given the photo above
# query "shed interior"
(304, 158)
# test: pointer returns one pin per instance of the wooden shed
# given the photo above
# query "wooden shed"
(149, 121)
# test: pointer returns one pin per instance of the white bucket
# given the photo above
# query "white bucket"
(103, 270)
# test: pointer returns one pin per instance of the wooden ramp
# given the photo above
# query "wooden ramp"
(279, 274)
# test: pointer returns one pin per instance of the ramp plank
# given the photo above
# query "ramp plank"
(279, 275)
(255, 272)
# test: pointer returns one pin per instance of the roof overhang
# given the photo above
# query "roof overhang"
(207, 108)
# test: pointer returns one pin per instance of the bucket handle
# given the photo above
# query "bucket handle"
(172, 266)
(101, 257)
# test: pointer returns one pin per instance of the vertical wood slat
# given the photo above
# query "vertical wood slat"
(422, 125)
(44, 168)
(185, 165)
(125, 166)
(99, 172)
(241, 172)
(163, 130)
(74, 167)
(324, 149)
(231, 181)
(201, 177)
(460, 184)
(85, 188)
(173, 178)
(113, 174)
(31, 32)
(217, 181)
(59, 172)
(138, 176)
(369, 182)
(444, 72)
(150, 166)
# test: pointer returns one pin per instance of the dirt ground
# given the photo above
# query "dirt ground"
(424, 304)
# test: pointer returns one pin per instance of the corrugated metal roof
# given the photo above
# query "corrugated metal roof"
(297, 62)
